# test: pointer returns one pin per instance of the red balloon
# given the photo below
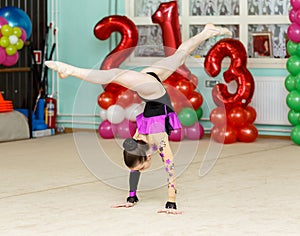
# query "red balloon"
(125, 99)
(247, 133)
(178, 100)
(114, 88)
(224, 134)
(185, 87)
(194, 81)
(218, 116)
(196, 100)
(237, 71)
(136, 98)
(129, 32)
(237, 117)
(106, 99)
(251, 114)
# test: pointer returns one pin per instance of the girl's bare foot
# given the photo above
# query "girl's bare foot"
(64, 70)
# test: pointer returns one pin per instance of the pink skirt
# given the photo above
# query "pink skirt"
(157, 124)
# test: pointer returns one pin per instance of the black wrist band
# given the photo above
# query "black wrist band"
(133, 199)
(171, 205)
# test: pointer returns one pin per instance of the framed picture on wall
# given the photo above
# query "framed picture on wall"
(261, 44)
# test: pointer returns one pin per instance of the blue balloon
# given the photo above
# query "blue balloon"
(17, 17)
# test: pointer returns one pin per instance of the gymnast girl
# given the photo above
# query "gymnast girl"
(158, 118)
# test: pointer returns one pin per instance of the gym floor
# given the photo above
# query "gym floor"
(47, 188)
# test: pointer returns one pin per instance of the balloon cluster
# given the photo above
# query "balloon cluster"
(232, 118)
(120, 105)
(292, 81)
(15, 28)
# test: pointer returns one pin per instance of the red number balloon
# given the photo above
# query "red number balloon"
(128, 30)
(237, 71)
(233, 117)
(167, 17)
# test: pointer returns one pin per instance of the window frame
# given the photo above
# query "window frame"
(243, 20)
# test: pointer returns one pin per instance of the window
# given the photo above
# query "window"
(243, 18)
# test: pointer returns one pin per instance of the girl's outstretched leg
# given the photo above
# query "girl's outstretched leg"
(166, 66)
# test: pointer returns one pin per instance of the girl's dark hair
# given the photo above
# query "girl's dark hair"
(134, 152)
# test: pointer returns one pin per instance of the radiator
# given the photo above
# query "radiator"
(269, 101)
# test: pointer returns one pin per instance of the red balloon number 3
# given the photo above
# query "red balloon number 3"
(233, 118)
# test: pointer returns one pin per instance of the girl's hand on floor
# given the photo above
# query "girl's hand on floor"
(170, 211)
(124, 205)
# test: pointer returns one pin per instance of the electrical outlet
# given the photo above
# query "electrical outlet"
(210, 83)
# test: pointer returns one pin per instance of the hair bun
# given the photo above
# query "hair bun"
(129, 144)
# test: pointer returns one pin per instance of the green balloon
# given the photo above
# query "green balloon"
(294, 117)
(290, 83)
(297, 83)
(4, 41)
(199, 113)
(293, 65)
(187, 116)
(17, 31)
(6, 30)
(11, 50)
(293, 100)
(292, 48)
(19, 44)
(295, 134)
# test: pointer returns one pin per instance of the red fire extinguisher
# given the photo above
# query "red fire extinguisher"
(50, 113)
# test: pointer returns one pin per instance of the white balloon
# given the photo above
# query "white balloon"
(115, 114)
(133, 110)
(103, 114)
(13, 39)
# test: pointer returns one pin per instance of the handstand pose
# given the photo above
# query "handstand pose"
(158, 118)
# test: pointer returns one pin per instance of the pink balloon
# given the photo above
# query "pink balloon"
(106, 130)
(293, 32)
(2, 55)
(295, 4)
(194, 132)
(11, 60)
(176, 135)
(23, 35)
(292, 15)
(3, 21)
(126, 128)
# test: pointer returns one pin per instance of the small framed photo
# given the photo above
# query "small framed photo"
(261, 44)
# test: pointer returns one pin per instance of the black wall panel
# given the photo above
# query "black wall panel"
(16, 82)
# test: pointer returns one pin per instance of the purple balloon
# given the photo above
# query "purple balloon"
(126, 128)
(293, 32)
(2, 55)
(11, 60)
(295, 4)
(106, 130)
(194, 132)
(176, 135)
(292, 15)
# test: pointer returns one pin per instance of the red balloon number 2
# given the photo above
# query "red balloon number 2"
(233, 118)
